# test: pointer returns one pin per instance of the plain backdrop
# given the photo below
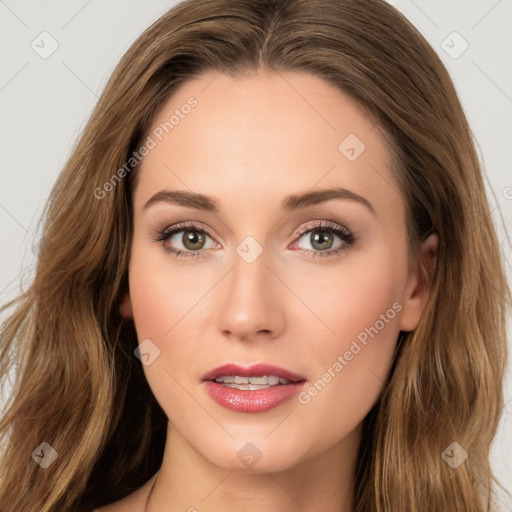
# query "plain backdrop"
(56, 57)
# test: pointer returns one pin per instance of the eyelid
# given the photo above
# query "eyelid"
(347, 237)
(322, 224)
(181, 226)
(167, 232)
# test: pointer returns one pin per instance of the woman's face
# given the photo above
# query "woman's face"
(326, 305)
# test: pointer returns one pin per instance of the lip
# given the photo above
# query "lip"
(260, 400)
(256, 370)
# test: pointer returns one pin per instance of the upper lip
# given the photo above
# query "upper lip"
(256, 370)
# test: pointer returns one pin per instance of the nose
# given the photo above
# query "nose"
(251, 302)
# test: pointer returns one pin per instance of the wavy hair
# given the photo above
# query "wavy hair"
(78, 385)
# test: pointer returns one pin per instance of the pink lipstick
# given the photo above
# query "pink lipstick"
(256, 388)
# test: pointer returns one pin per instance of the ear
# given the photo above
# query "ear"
(419, 283)
(125, 308)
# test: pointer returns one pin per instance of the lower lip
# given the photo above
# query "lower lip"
(258, 400)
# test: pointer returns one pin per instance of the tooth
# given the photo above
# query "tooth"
(225, 378)
(271, 380)
(238, 386)
(254, 387)
(247, 387)
(259, 380)
(251, 383)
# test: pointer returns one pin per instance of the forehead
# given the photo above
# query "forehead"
(273, 133)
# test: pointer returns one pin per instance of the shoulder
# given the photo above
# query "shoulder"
(134, 502)
(118, 506)
(123, 505)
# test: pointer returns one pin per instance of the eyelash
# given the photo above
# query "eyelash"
(343, 233)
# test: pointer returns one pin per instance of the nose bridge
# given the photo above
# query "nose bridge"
(250, 297)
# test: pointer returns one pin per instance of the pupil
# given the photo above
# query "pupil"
(192, 237)
(323, 238)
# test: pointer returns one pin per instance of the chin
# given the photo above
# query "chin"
(253, 454)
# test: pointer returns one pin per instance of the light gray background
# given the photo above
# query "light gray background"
(45, 103)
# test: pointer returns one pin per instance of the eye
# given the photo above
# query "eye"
(185, 240)
(321, 238)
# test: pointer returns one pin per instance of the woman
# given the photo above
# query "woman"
(268, 279)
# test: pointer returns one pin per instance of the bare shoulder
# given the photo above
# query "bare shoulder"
(134, 502)
(118, 506)
(124, 505)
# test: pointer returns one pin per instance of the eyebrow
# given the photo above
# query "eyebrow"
(290, 203)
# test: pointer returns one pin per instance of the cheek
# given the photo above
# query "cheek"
(163, 301)
(348, 298)
(168, 300)
(161, 292)
(362, 306)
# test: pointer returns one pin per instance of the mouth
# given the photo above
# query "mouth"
(257, 388)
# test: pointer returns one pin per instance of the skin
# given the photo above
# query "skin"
(267, 135)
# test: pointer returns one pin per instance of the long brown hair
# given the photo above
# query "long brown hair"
(79, 386)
